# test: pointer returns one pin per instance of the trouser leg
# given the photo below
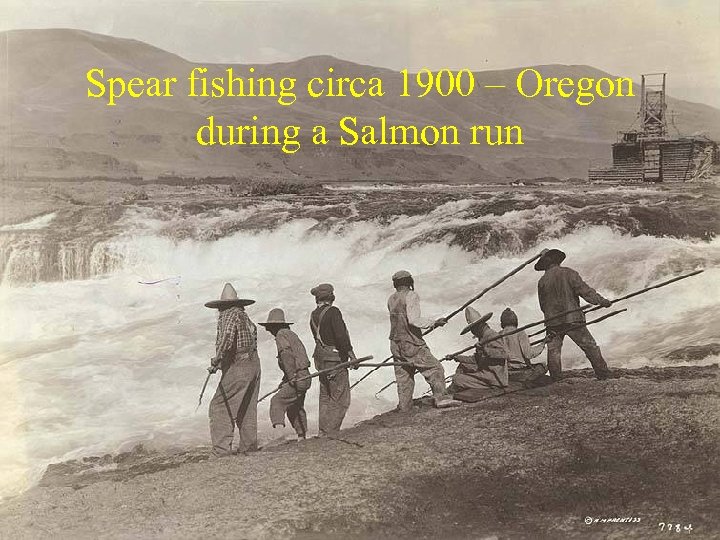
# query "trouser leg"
(222, 420)
(334, 401)
(554, 350)
(247, 412)
(405, 378)
(235, 403)
(296, 414)
(432, 370)
(279, 404)
(584, 339)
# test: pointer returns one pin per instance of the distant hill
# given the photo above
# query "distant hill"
(50, 128)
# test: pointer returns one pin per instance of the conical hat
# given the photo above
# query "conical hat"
(229, 298)
(473, 317)
(550, 256)
(276, 316)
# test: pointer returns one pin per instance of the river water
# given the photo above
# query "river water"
(99, 362)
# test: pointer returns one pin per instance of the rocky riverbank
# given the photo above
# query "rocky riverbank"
(530, 464)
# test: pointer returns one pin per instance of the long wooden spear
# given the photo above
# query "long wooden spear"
(587, 308)
(461, 308)
(580, 325)
(318, 373)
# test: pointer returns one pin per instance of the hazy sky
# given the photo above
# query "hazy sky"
(623, 37)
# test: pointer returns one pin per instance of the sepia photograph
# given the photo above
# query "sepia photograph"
(340, 269)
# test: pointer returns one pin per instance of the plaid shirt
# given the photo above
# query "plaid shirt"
(235, 332)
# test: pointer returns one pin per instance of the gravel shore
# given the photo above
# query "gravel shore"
(532, 464)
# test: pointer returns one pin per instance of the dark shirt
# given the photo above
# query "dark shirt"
(333, 331)
(559, 290)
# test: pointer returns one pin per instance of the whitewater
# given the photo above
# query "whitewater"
(98, 363)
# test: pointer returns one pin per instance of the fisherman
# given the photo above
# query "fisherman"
(559, 290)
(332, 346)
(293, 361)
(235, 400)
(408, 346)
(487, 368)
(520, 369)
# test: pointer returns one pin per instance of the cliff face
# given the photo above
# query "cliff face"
(531, 464)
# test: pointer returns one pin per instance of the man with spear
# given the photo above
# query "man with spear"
(559, 292)
(408, 347)
(332, 349)
(235, 400)
(293, 361)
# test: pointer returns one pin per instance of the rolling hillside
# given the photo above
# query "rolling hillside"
(50, 128)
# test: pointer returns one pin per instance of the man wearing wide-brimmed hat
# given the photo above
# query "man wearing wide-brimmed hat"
(293, 361)
(407, 345)
(487, 368)
(332, 347)
(235, 400)
(560, 290)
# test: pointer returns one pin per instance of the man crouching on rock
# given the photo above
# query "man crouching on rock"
(235, 400)
(408, 346)
(293, 361)
(487, 368)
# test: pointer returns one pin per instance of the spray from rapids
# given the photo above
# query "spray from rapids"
(97, 365)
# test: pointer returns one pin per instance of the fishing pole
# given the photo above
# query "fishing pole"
(587, 308)
(580, 325)
(466, 304)
(317, 374)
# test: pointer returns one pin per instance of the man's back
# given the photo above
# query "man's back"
(559, 290)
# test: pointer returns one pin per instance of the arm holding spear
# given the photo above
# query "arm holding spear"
(442, 321)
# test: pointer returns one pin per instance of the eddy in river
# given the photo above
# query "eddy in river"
(559, 290)
(332, 346)
(487, 368)
(293, 361)
(408, 346)
(235, 400)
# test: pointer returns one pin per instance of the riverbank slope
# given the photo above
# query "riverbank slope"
(530, 464)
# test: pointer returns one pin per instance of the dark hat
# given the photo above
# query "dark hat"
(473, 318)
(322, 291)
(276, 316)
(508, 318)
(550, 256)
(229, 298)
(400, 274)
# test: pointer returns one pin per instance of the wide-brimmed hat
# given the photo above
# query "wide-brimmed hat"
(276, 316)
(473, 317)
(322, 291)
(551, 256)
(229, 298)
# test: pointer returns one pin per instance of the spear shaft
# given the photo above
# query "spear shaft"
(466, 304)
(317, 374)
(587, 308)
(580, 325)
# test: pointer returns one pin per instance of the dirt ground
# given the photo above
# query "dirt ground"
(531, 464)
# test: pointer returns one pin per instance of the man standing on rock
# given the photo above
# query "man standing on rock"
(559, 290)
(487, 368)
(235, 400)
(408, 346)
(293, 361)
(332, 347)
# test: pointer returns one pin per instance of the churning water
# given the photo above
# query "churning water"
(99, 364)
